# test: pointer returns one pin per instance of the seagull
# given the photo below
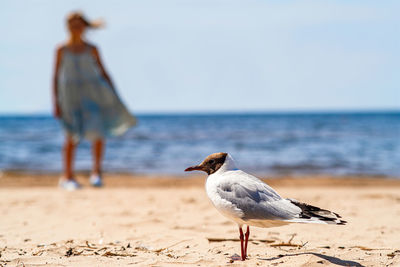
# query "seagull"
(249, 201)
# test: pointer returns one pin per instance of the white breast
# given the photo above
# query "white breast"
(225, 207)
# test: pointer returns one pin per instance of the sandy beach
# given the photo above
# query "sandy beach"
(163, 221)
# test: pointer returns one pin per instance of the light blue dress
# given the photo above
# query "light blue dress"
(90, 108)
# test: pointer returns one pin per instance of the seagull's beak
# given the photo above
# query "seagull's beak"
(194, 168)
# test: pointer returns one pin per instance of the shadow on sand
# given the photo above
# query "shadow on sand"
(331, 259)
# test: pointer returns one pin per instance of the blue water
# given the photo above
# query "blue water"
(268, 144)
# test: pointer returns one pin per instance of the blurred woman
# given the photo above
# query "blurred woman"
(85, 100)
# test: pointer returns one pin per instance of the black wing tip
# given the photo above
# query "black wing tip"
(309, 211)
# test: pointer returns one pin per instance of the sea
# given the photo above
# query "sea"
(335, 143)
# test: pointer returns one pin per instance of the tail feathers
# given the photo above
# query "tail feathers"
(312, 214)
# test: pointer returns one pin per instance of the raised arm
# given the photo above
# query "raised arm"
(56, 106)
(96, 55)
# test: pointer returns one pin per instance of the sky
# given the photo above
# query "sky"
(213, 55)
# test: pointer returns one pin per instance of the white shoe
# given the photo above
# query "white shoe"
(95, 180)
(69, 184)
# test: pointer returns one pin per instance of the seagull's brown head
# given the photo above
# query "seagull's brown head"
(211, 164)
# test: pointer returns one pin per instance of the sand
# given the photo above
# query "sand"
(167, 221)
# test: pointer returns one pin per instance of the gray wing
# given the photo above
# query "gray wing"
(255, 199)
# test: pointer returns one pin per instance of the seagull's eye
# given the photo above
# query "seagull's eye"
(211, 161)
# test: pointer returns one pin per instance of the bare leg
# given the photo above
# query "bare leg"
(97, 150)
(246, 241)
(69, 153)
(241, 236)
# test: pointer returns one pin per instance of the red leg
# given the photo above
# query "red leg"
(241, 236)
(98, 151)
(246, 241)
(69, 153)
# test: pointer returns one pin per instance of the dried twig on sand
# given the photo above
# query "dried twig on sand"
(113, 254)
(369, 249)
(170, 246)
(72, 252)
(287, 245)
(393, 254)
(90, 245)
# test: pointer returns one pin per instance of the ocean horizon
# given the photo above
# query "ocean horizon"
(266, 143)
